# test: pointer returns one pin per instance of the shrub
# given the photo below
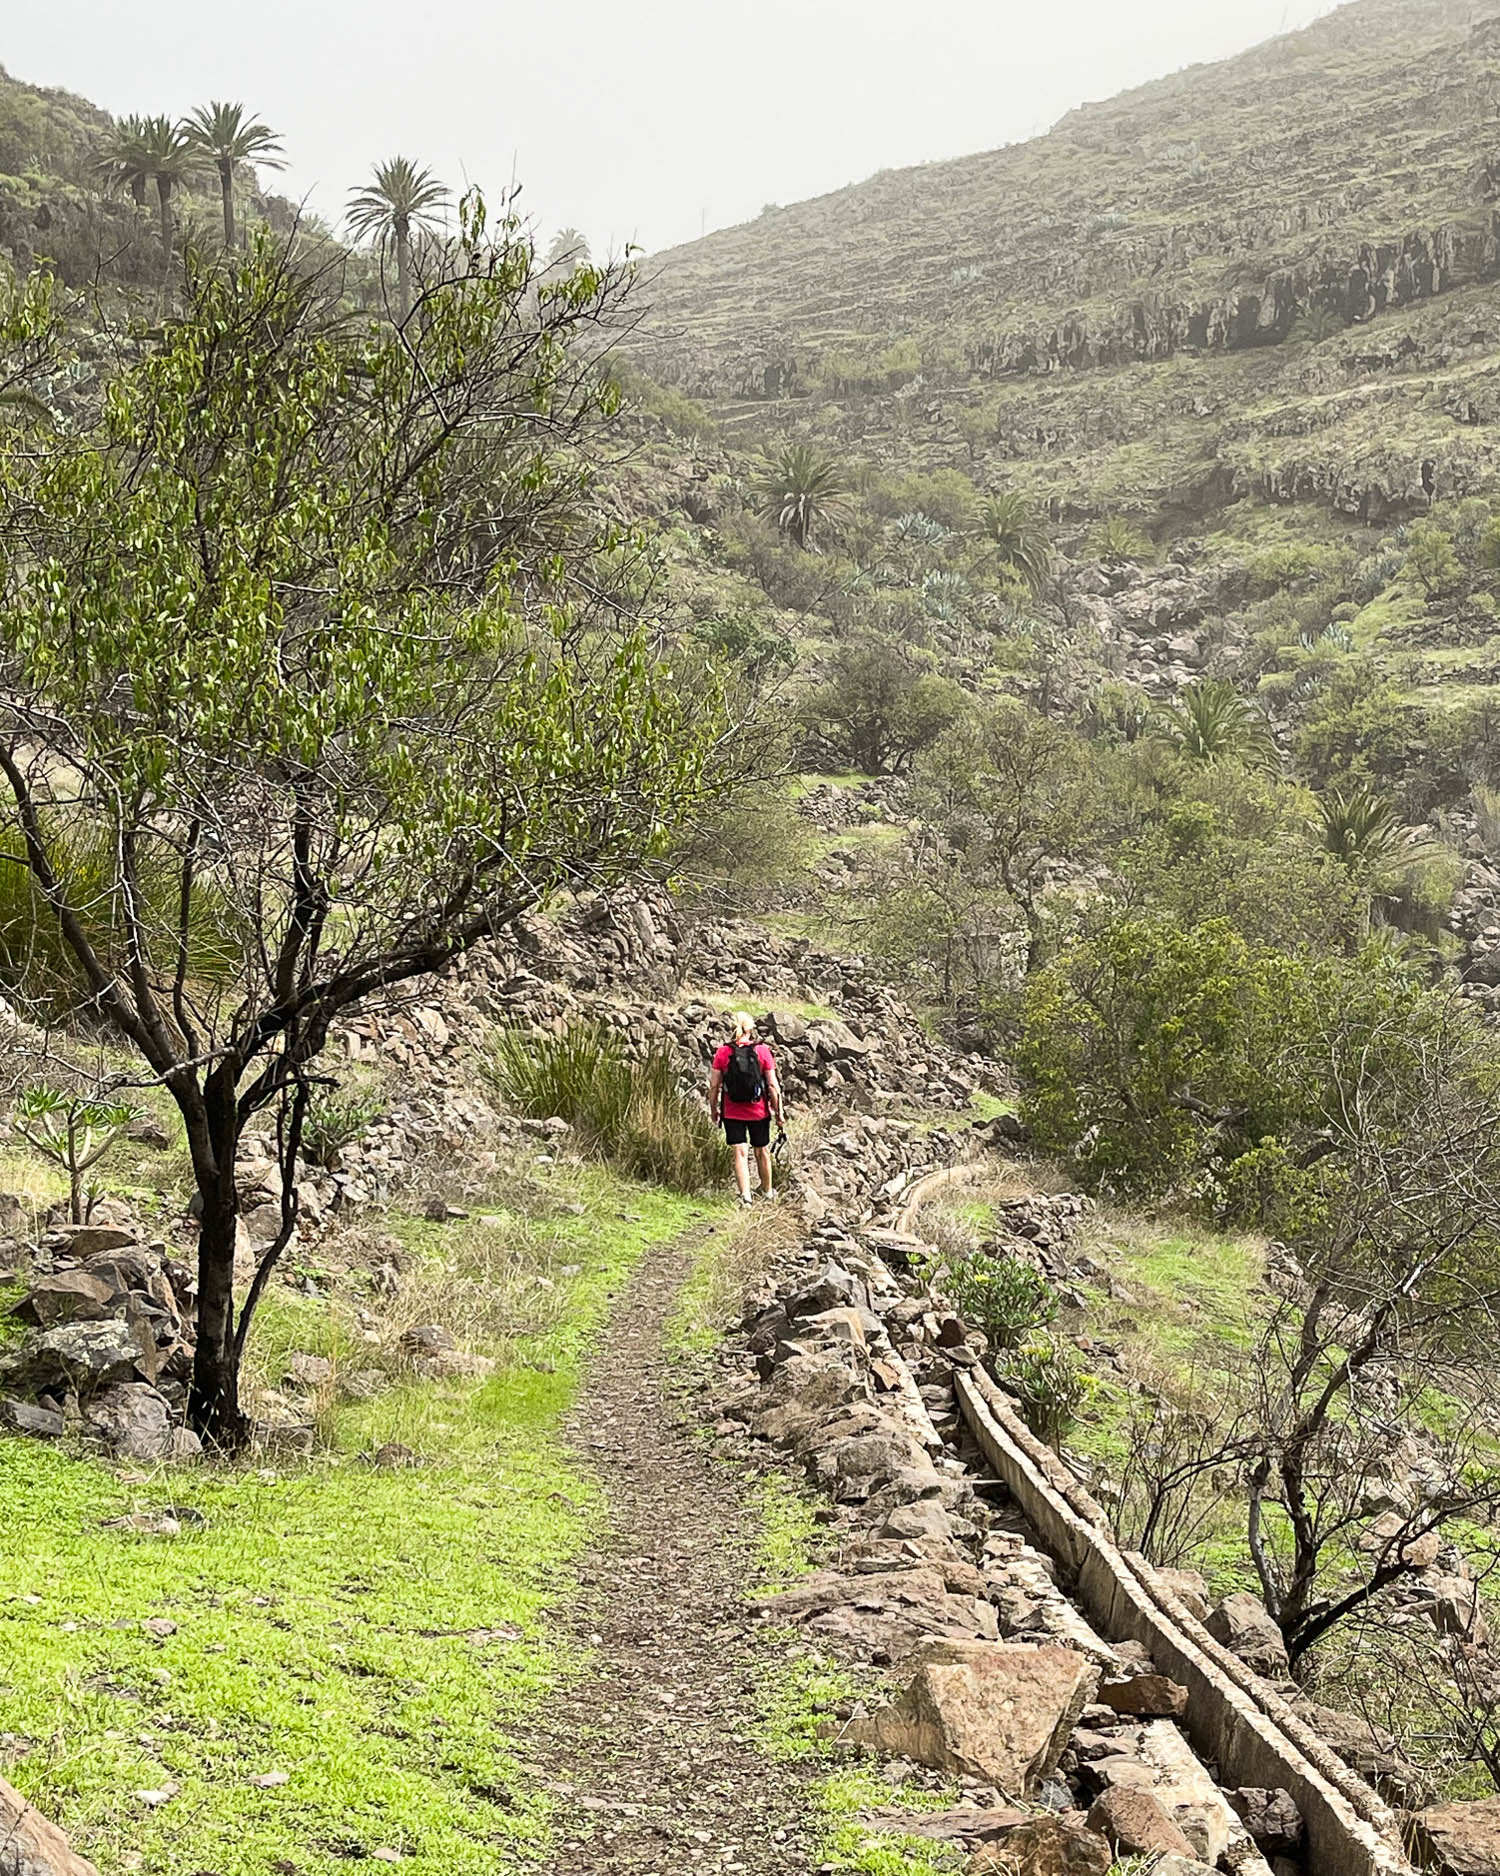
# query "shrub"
(1119, 539)
(1431, 559)
(1008, 1299)
(1052, 1385)
(333, 1121)
(628, 1112)
(73, 1132)
(1290, 564)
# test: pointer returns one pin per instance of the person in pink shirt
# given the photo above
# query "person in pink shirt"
(745, 1094)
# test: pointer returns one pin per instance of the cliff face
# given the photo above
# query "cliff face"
(1274, 274)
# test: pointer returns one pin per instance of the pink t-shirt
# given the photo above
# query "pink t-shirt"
(746, 1110)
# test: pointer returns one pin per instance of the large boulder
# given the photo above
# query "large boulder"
(69, 1296)
(1271, 1818)
(1459, 1839)
(1046, 1846)
(131, 1419)
(1134, 1822)
(1246, 1628)
(32, 1846)
(80, 1355)
(996, 1711)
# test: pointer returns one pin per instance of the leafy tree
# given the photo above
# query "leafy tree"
(802, 491)
(221, 135)
(1214, 723)
(1018, 537)
(877, 709)
(319, 622)
(1167, 1058)
(1219, 841)
(1015, 794)
(397, 204)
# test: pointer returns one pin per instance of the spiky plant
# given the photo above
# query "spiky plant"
(222, 136)
(1315, 325)
(1018, 536)
(1363, 830)
(1212, 722)
(399, 201)
(1117, 539)
(803, 492)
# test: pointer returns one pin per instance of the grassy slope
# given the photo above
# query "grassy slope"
(375, 1636)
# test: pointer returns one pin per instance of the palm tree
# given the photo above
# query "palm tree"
(1213, 723)
(1363, 830)
(569, 250)
(801, 490)
(401, 199)
(219, 133)
(122, 160)
(1017, 533)
(168, 160)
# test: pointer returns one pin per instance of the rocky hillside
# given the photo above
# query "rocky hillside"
(1263, 281)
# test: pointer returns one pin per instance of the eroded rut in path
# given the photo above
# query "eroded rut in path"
(652, 1756)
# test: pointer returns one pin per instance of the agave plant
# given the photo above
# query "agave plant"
(1212, 722)
(802, 491)
(1018, 536)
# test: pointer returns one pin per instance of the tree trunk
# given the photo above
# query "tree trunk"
(138, 191)
(226, 193)
(164, 199)
(403, 270)
(214, 1399)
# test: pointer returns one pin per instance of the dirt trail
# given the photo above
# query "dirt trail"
(652, 1756)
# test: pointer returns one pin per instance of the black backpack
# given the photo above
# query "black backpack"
(744, 1078)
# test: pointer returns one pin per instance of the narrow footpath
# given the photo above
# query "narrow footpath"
(652, 1757)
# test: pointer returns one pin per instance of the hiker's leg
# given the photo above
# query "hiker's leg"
(763, 1167)
(742, 1168)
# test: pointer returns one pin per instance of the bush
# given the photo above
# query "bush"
(333, 1121)
(630, 1113)
(1432, 560)
(1052, 1385)
(1006, 1298)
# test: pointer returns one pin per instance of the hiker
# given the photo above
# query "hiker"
(744, 1093)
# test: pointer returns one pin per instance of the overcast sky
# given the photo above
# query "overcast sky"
(633, 120)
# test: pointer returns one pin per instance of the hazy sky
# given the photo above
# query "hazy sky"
(643, 120)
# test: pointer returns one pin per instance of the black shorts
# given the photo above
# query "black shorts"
(757, 1132)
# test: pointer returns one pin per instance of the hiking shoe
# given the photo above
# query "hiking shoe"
(746, 1200)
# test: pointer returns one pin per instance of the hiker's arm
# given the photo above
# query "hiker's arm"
(773, 1093)
(715, 1084)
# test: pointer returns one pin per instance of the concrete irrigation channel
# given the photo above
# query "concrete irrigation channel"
(1233, 1718)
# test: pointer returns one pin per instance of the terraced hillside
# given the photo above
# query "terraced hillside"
(1266, 281)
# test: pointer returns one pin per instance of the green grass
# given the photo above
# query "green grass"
(1194, 1287)
(850, 1845)
(376, 1636)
